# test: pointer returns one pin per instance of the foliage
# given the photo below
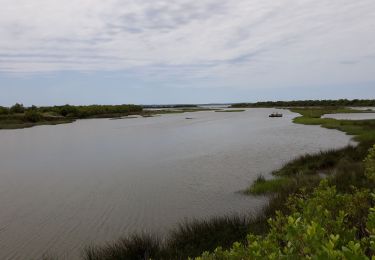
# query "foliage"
(92, 110)
(4, 110)
(33, 116)
(370, 165)
(17, 108)
(324, 225)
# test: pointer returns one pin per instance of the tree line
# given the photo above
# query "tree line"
(35, 113)
(311, 103)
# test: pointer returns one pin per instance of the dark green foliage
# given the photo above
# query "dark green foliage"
(193, 238)
(17, 109)
(59, 114)
(334, 221)
(311, 103)
(324, 224)
(4, 110)
(92, 110)
(33, 116)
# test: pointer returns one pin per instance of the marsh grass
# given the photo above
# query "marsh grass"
(143, 246)
(263, 186)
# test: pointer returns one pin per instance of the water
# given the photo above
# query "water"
(351, 116)
(67, 186)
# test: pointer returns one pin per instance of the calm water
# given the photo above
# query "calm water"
(67, 186)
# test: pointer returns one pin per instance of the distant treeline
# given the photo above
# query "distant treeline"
(169, 106)
(72, 111)
(311, 103)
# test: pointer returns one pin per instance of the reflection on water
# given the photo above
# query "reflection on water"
(63, 187)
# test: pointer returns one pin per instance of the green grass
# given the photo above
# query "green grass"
(263, 186)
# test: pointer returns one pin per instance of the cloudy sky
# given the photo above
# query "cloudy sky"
(185, 51)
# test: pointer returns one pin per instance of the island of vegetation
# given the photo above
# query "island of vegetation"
(18, 116)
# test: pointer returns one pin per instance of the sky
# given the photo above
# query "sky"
(185, 51)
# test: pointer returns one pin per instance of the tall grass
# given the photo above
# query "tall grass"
(135, 247)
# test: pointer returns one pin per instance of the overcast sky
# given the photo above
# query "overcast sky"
(185, 51)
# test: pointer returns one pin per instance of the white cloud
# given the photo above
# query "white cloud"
(243, 41)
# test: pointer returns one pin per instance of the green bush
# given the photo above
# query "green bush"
(17, 109)
(4, 111)
(325, 224)
(33, 116)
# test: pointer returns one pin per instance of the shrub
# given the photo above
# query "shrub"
(326, 224)
(17, 108)
(33, 116)
(321, 226)
(4, 111)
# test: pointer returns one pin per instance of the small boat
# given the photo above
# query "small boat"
(276, 115)
(188, 118)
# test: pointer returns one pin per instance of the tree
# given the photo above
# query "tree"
(4, 111)
(17, 108)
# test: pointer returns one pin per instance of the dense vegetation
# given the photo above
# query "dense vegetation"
(311, 103)
(19, 116)
(325, 224)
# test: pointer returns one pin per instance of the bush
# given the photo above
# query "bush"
(322, 226)
(326, 224)
(33, 116)
(17, 109)
(4, 111)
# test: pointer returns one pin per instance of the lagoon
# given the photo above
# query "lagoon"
(68, 186)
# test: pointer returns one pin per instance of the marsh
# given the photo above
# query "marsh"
(67, 186)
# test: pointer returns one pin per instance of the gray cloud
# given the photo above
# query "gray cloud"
(259, 41)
